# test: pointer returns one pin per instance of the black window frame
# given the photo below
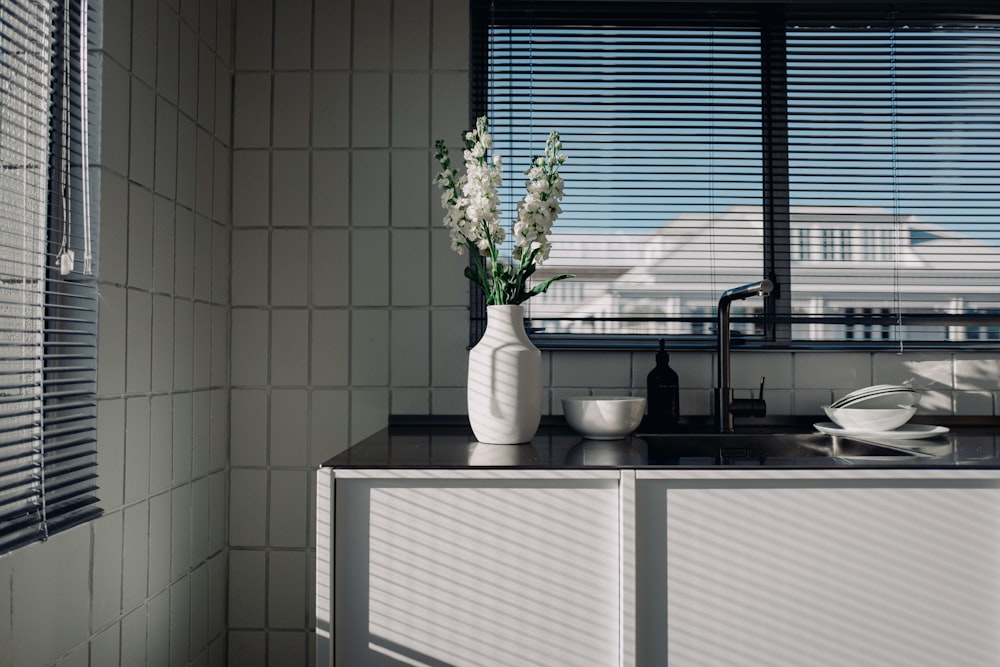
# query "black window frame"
(780, 244)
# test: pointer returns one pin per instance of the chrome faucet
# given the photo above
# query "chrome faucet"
(727, 407)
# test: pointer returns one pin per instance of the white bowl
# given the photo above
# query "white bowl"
(604, 417)
(870, 420)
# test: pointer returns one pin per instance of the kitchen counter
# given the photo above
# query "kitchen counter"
(434, 549)
(555, 446)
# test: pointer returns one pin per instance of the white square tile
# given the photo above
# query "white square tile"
(369, 348)
(111, 336)
(411, 31)
(290, 347)
(224, 28)
(449, 107)
(202, 345)
(114, 229)
(247, 575)
(410, 193)
(331, 267)
(187, 161)
(252, 110)
(293, 29)
(133, 650)
(183, 344)
(200, 497)
(220, 264)
(410, 267)
(162, 362)
(329, 192)
(247, 648)
(218, 493)
(411, 109)
(190, 14)
(410, 402)
(223, 102)
(329, 350)
(181, 439)
(187, 72)
(206, 87)
(290, 189)
(452, 401)
(369, 412)
(286, 591)
(105, 647)
(331, 119)
(749, 367)
(288, 432)
(250, 336)
(158, 631)
(289, 268)
(370, 267)
(222, 190)
(163, 245)
(977, 371)
(370, 194)
(247, 506)
(106, 603)
(203, 259)
(136, 448)
(180, 532)
(144, 46)
(449, 339)
(204, 173)
(248, 428)
(159, 542)
(411, 348)
(165, 156)
(289, 508)
(140, 238)
(920, 370)
(167, 53)
(449, 286)
(220, 345)
(975, 403)
(332, 25)
(370, 109)
(588, 370)
(138, 341)
(252, 34)
(117, 30)
(111, 451)
(451, 18)
(115, 106)
(135, 561)
(198, 613)
(827, 370)
(290, 127)
(183, 252)
(329, 426)
(251, 191)
(289, 646)
(372, 40)
(180, 611)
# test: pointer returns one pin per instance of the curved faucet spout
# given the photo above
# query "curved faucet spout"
(724, 402)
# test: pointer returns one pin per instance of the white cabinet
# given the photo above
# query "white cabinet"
(494, 569)
(835, 571)
(653, 567)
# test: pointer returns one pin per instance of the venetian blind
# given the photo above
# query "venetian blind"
(47, 287)
(848, 154)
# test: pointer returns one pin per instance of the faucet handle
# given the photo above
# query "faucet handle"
(762, 378)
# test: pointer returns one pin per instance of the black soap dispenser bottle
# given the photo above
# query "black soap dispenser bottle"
(662, 393)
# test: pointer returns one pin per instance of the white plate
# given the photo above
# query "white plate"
(904, 432)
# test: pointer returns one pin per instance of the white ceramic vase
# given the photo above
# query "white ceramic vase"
(505, 380)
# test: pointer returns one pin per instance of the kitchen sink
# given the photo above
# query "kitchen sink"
(762, 449)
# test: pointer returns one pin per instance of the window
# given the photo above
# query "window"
(850, 152)
(48, 291)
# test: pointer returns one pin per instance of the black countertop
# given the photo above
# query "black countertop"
(411, 445)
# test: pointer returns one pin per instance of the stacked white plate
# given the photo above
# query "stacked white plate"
(878, 411)
(878, 396)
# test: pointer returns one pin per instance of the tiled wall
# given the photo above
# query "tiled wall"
(146, 583)
(348, 305)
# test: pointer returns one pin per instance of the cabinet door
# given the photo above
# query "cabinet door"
(509, 572)
(849, 573)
